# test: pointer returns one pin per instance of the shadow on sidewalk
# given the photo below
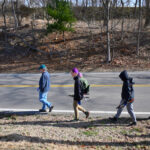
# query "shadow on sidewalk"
(4, 114)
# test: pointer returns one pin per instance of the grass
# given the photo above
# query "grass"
(137, 130)
(90, 133)
(41, 132)
(124, 132)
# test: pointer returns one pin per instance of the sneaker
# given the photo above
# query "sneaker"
(132, 124)
(75, 120)
(50, 109)
(87, 114)
(42, 110)
(114, 119)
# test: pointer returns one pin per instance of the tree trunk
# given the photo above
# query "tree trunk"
(86, 3)
(14, 14)
(3, 13)
(17, 13)
(70, 2)
(105, 4)
(64, 36)
(139, 28)
(147, 20)
(122, 24)
(108, 34)
(76, 2)
(5, 23)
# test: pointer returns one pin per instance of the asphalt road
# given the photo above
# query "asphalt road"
(104, 93)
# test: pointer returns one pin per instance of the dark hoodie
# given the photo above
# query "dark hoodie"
(127, 88)
(77, 89)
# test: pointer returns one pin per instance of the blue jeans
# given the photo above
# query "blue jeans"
(129, 109)
(43, 99)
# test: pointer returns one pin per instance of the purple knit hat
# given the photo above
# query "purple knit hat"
(75, 70)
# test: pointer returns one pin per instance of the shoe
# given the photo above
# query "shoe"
(50, 109)
(42, 110)
(74, 120)
(87, 114)
(114, 119)
(132, 124)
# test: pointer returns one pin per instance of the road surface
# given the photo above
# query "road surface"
(18, 91)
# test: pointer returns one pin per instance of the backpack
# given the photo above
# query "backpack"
(84, 87)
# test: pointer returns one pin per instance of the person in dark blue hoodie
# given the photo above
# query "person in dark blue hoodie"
(44, 87)
(127, 96)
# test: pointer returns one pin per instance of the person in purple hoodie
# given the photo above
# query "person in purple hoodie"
(78, 95)
(44, 87)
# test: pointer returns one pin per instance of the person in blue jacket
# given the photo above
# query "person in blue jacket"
(127, 96)
(44, 87)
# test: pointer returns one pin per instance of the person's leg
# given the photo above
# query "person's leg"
(75, 106)
(119, 111)
(48, 104)
(131, 111)
(81, 108)
(84, 111)
(43, 99)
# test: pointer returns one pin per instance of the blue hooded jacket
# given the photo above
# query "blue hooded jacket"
(44, 83)
(127, 88)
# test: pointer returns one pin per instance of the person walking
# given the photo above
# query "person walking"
(127, 98)
(44, 87)
(78, 95)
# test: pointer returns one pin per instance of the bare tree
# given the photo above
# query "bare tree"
(147, 20)
(122, 24)
(108, 36)
(106, 5)
(3, 12)
(76, 2)
(5, 24)
(14, 14)
(139, 28)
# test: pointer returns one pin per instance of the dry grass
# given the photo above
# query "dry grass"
(48, 132)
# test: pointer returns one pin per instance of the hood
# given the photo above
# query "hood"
(124, 76)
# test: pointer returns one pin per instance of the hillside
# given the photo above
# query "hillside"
(85, 48)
